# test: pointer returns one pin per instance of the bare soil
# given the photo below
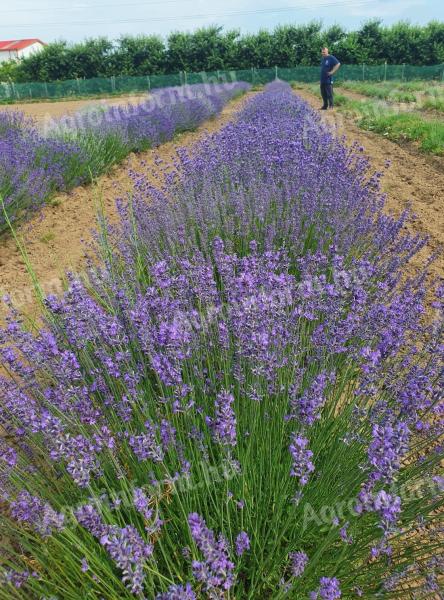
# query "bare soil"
(413, 179)
(56, 239)
(40, 111)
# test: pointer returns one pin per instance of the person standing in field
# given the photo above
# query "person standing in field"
(329, 65)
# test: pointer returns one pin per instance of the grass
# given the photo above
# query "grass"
(47, 237)
(383, 91)
(408, 126)
(379, 117)
(395, 92)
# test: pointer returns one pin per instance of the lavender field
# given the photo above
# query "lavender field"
(245, 400)
(35, 164)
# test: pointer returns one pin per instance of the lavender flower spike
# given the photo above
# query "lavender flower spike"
(328, 589)
(216, 571)
(225, 420)
(299, 561)
(302, 465)
(242, 543)
(178, 592)
(40, 515)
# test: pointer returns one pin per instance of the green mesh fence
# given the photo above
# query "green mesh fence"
(120, 85)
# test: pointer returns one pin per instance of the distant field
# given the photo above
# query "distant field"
(380, 107)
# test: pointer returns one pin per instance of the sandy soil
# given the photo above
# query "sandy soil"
(56, 238)
(414, 178)
(41, 111)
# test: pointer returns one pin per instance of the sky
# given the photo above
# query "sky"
(74, 20)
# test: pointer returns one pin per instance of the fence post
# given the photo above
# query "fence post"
(252, 75)
(403, 71)
(363, 71)
(185, 78)
(276, 72)
(46, 90)
(149, 82)
(385, 71)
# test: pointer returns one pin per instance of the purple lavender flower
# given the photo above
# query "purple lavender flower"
(37, 513)
(84, 565)
(124, 545)
(224, 424)
(80, 455)
(129, 552)
(8, 456)
(299, 561)
(302, 464)
(439, 480)
(178, 592)
(145, 446)
(388, 507)
(16, 578)
(216, 570)
(328, 589)
(89, 518)
(167, 434)
(388, 445)
(345, 536)
(242, 543)
(307, 407)
(142, 503)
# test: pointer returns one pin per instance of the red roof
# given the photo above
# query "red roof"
(12, 45)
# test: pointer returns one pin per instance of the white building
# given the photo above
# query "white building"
(15, 49)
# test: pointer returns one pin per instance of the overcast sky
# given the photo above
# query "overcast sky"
(76, 19)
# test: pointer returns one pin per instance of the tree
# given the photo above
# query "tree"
(370, 40)
(141, 55)
(9, 70)
(89, 58)
(298, 45)
(212, 48)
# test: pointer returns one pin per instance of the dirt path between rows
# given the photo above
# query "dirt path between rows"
(413, 178)
(56, 237)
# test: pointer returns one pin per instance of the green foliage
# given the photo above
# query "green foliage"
(137, 56)
(408, 126)
(212, 48)
(384, 91)
(8, 70)
(434, 104)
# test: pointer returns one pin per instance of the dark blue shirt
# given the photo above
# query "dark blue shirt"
(327, 64)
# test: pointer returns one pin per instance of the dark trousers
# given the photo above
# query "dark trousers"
(327, 94)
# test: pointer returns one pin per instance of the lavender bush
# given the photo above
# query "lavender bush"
(32, 167)
(245, 401)
(35, 164)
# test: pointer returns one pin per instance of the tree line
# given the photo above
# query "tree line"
(213, 48)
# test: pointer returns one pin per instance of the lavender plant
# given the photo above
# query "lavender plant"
(34, 164)
(245, 401)
(31, 166)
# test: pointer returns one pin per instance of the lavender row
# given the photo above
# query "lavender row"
(34, 164)
(245, 401)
